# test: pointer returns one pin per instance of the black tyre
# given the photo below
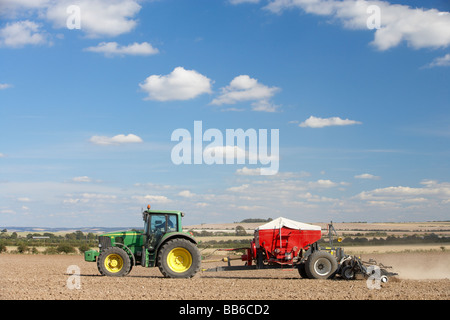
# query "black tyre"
(320, 265)
(114, 262)
(131, 268)
(179, 258)
(302, 270)
(347, 273)
(259, 259)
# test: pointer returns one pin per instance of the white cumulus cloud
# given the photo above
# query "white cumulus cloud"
(432, 192)
(4, 86)
(248, 171)
(118, 139)
(243, 88)
(13, 8)
(322, 183)
(21, 33)
(315, 122)
(440, 61)
(152, 199)
(85, 198)
(180, 84)
(242, 1)
(110, 49)
(98, 17)
(82, 179)
(418, 27)
(186, 194)
(367, 176)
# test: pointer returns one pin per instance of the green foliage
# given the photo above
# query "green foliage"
(224, 243)
(51, 250)
(254, 220)
(84, 247)
(65, 248)
(204, 233)
(240, 231)
(52, 242)
(22, 248)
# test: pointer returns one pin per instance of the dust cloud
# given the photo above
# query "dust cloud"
(417, 266)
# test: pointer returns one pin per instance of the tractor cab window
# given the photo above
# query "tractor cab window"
(157, 223)
(172, 223)
(161, 223)
(156, 229)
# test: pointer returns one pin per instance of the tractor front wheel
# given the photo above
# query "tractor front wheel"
(179, 258)
(114, 262)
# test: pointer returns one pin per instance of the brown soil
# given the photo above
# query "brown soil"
(422, 276)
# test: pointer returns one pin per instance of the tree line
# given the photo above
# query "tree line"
(73, 242)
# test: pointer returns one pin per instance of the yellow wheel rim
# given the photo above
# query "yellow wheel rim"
(179, 260)
(113, 263)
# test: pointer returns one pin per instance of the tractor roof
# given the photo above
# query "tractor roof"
(163, 211)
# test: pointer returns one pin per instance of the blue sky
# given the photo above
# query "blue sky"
(87, 114)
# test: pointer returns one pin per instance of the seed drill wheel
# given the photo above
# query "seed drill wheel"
(179, 258)
(347, 273)
(302, 270)
(114, 262)
(320, 265)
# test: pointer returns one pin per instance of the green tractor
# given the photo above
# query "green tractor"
(162, 243)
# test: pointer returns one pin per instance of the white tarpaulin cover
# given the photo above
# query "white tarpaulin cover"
(283, 222)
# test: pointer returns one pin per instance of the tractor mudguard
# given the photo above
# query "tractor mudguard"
(173, 235)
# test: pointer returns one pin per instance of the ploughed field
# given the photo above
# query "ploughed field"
(421, 276)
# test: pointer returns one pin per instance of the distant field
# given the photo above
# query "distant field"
(395, 228)
(397, 248)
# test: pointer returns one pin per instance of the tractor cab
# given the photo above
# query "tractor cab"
(159, 223)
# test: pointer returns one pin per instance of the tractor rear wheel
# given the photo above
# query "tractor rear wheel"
(179, 258)
(321, 265)
(114, 262)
